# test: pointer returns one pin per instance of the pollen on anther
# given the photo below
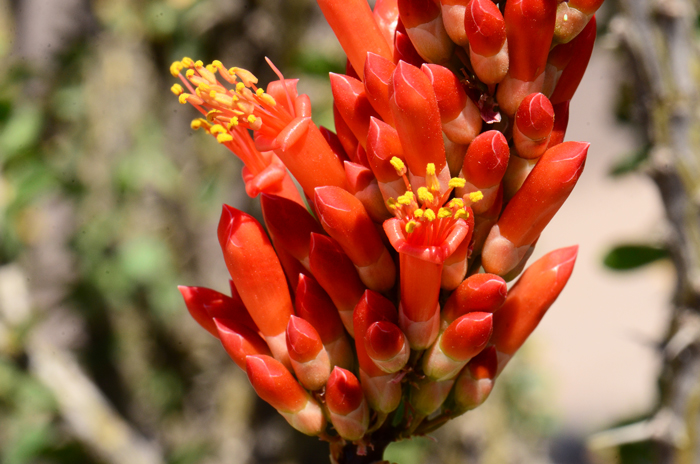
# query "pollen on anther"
(398, 165)
(418, 213)
(430, 169)
(424, 195)
(411, 226)
(429, 214)
(461, 214)
(223, 138)
(217, 129)
(476, 196)
(175, 68)
(456, 182)
(444, 213)
(177, 89)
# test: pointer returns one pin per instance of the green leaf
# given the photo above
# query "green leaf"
(630, 162)
(628, 257)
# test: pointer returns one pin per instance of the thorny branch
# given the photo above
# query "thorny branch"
(658, 38)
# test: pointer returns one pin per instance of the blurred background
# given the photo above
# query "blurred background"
(108, 201)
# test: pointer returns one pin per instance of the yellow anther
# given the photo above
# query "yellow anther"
(456, 203)
(391, 204)
(267, 98)
(430, 169)
(461, 214)
(189, 73)
(239, 87)
(183, 98)
(259, 92)
(177, 89)
(424, 195)
(476, 196)
(223, 138)
(188, 62)
(418, 213)
(429, 214)
(399, 165)
(246, 76)
(212, 93)
(456, 182)
(251, 119)
(404, 200)
(211, 68)
(444, 213)
(217, 63)
(232, 123)
(196, 124)
(411, 226)
(175, 68)
(212, 115)
(217, 129)
(198, 64)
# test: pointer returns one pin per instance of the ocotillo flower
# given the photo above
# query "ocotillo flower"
(422, 186)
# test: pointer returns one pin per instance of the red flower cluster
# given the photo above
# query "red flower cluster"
(447, 161)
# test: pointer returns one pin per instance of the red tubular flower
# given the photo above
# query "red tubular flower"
(378, 72)
(337, 275)
(205, 304)
(404, 49)
(291, 225)
(479, 292)
(453, 12)
(462, 340)
(417, 117)
(454, 268)
(239, 341)
(461, 119)
(383, 144)
(545, 190)
(365, 187)
(529, 27)
(382, 394)
(345, 16)
(309, 358)
(529, 299)
(345, 219)
(484, 166)
(346, 403)
(488, 44)
(424, 26)
(274, 384)
(572, 18)
(353, 105)
(476, 381)
(257, 274)
(315, 306)
(533, 126)
(581, 51)
(387, 346)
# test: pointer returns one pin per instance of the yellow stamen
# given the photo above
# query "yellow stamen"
(430, 169)
(217, 129)
(424, 196)
(175, 68)
(456, 182)
(200, 123)
(211, 68)
(183, 98)
(239, 87)
(391, 204)
(476, 196)
(232, 123)
(246, 76)
(431, 180)
(177, 89)
(429, 214)
(189, 73)
(259, 92)
(411, 226)
(212, 114)
(404, 200)
(456, 203)
(461, 214)
(399, 165)
(444, 213)
(223, 138)
(267, 98)
(188, 62)
(418, 213)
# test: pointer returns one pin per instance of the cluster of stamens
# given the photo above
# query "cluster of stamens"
(427, 213)
(225, 109)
